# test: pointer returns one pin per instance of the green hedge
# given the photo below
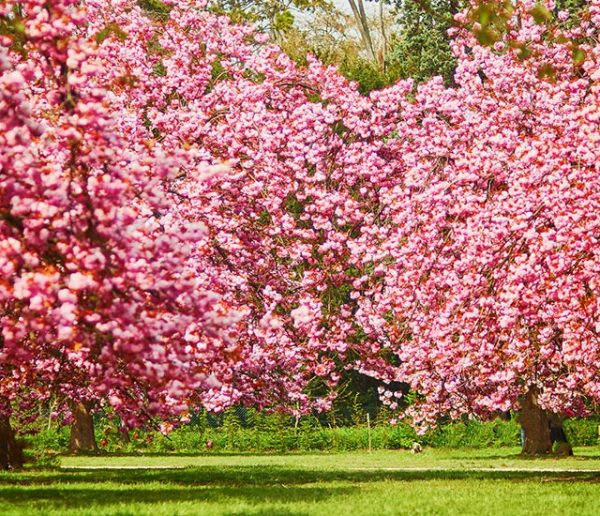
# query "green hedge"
(582, 432)
(277, 436)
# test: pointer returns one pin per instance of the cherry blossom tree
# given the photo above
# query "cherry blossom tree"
(95, 305)
(137, 277)
(417, 213)
(490, 296)
(303, 148)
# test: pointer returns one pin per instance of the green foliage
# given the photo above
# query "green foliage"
(155, 8)
(474, 434)
(583, 432)
(242, 430)
(112, 29)
(264, 218)
(357, 395)
(579, 56)
(12, 27)
(155, 48)
(366, 74)
(493, 18)
(421, 48)
(272, 16)
(541, 14)
(283, 21)
(278, 434)
(159, 69)
(218, 71)
(334, 297)
(50, 440)
(43, 448)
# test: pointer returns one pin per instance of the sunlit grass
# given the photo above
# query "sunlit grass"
(432, 458)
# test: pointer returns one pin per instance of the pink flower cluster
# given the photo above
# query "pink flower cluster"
(95, 304)
(303, 153)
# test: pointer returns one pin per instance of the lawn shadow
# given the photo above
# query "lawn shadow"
(271, 475)
(263, 490)
(464, 455)
(61, 496)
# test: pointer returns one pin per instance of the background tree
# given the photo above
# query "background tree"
(122, 288)
(332, 36)
(364, 28)
(420, 48)
(298, 141)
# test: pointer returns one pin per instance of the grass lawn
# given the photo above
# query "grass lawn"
(493, 481)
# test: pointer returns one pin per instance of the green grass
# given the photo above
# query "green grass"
(431, 458)
(494, 481)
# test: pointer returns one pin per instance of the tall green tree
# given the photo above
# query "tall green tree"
(421, 46)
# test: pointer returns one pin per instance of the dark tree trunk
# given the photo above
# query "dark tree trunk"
(11, 451)
(124, 434)
(82, 439)
(536, 426)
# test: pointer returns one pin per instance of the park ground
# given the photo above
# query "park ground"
(492, 481)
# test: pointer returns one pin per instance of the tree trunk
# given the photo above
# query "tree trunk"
(124, 435)
(82, 439)
(11, 452)
(536, 427)
(362, 23)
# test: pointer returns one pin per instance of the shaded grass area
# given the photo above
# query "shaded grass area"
(307, 485)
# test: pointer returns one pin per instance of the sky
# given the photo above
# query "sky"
(342, 4)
